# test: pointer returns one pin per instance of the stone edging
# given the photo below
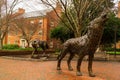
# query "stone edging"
(24, 59)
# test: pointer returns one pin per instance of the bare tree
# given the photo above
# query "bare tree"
(6, 10)
(26, 28)
(78, 13)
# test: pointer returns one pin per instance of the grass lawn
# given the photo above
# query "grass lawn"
(18, 49)
(21, 49)
(112, 52)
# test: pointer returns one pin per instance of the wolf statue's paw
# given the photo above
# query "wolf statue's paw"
(70, 69)
(91, 74)
(58, 68)
(79, 73)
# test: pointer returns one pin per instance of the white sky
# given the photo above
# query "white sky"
(116, 0)
(29, 5)
(34, 5)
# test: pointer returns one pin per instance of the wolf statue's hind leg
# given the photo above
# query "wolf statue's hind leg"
(79, 73)
(69, 61)
(61, 56)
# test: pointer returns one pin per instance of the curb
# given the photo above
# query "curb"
(52, 59)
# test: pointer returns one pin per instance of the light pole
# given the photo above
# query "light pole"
(115, 41)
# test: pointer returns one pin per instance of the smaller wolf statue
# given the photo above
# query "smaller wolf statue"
(39, 44)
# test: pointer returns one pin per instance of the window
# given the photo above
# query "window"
(16, 42)
(40, 32)
(40, 21)
(51, 44)
(52, 24)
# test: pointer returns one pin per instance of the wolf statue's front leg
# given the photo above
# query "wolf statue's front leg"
(32, 55)
(91, 56)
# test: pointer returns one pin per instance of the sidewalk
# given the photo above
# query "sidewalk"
(46, 70)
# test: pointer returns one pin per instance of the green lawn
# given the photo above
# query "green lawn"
(112, 52)
(21, 49)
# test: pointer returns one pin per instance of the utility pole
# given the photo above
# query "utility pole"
(115, 41)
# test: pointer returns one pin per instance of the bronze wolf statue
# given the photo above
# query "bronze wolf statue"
(85, 45)
(39, 44)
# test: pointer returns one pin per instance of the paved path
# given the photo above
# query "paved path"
(46, 70)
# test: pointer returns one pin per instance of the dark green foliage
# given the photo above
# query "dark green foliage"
(10, 46)
(62, 33)
(109, 31)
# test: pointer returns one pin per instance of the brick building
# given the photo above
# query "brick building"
(46, 19)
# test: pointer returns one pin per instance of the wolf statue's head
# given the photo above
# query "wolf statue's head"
(100, 20)
(104, 15)
(97, 25)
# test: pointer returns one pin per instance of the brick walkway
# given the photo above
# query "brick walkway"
(46, 70)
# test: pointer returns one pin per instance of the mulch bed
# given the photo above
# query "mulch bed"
(5, 53)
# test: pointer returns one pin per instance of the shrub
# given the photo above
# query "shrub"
(11, 46)
(28, 49)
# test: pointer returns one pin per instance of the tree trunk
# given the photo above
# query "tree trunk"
(28, 44)
(1, 43)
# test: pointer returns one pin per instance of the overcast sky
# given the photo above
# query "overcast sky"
(33, 5)
(29, 5)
